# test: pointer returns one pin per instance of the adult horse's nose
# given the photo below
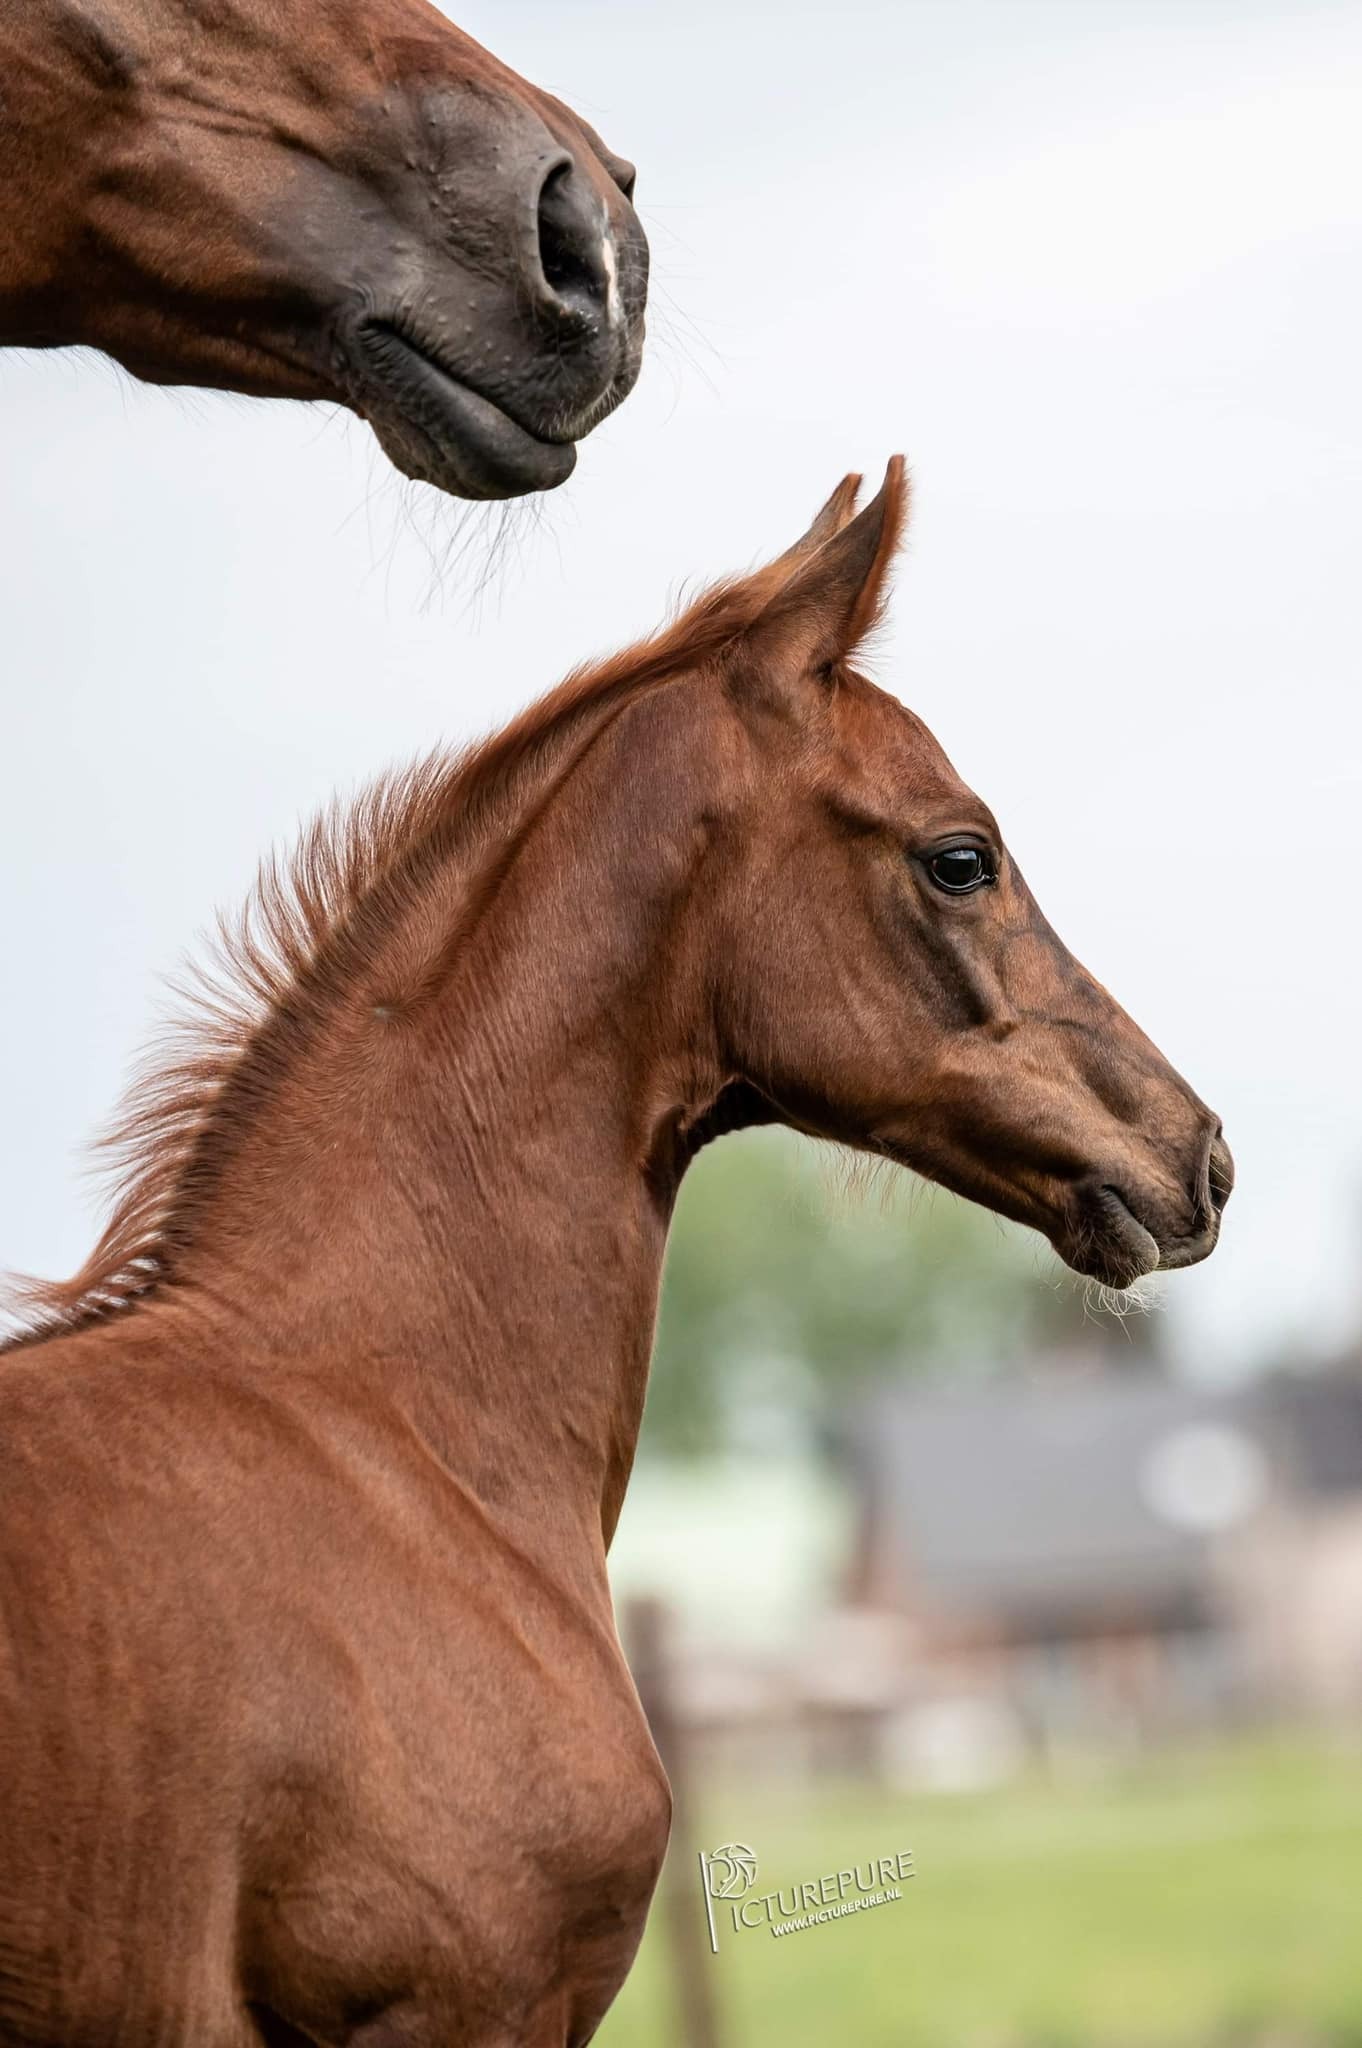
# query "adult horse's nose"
(578, 268)
(622, 171)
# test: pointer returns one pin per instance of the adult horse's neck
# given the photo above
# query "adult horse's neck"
(49, 109)
(460, 1197)
(96, 230)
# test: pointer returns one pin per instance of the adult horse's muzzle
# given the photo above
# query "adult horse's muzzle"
(480, 370)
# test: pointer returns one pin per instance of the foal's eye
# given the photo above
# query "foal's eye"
(961, 869)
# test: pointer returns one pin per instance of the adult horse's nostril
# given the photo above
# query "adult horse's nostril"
(574, 254)
(1219, 1173)
(623, 173)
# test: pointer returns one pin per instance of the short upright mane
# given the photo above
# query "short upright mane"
(281, 959)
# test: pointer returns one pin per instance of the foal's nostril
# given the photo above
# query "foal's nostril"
(573, 253)
(1220, 1173)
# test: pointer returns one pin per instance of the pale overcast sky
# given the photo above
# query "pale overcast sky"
(1094, 266)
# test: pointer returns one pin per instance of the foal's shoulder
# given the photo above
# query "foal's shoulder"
(86, 1399)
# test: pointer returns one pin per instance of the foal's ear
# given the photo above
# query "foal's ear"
(820, 613)
(831, 517)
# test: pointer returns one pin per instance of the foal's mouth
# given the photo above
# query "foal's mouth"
(437, 429)
(1107, 1240)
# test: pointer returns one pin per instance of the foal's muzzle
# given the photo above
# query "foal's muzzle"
(1121, 1226)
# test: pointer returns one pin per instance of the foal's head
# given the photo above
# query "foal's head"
(883, 973)
(350, 201)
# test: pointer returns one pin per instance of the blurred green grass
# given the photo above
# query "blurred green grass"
(1207, 1897)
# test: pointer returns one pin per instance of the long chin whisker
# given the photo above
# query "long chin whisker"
(1141, 1298)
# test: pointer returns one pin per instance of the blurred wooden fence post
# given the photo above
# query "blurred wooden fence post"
(678, 1901)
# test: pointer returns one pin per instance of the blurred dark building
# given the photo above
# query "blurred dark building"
(1092, 1557)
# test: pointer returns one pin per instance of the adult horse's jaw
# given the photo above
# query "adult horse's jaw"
(437, 429)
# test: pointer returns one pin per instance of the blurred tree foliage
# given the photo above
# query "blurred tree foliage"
(786, 1288)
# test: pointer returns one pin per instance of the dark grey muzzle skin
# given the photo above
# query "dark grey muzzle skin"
(352, 201)
(494, 307)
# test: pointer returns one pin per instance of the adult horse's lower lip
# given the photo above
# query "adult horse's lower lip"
(437, 430)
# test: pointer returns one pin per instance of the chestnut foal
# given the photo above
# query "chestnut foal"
(350, 201)
(314, 1726)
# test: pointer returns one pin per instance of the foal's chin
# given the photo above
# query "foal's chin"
(1104, 1239)
(1117, 1260)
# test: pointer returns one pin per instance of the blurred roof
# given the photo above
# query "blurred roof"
(1028, 1499)
(1316, 1425)
(1074, 1503)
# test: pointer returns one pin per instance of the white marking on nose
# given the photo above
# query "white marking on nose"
(614, 307)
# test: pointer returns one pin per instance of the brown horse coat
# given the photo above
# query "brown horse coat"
(314, 1726)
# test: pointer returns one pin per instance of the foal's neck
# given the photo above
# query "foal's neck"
(465, 1198)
